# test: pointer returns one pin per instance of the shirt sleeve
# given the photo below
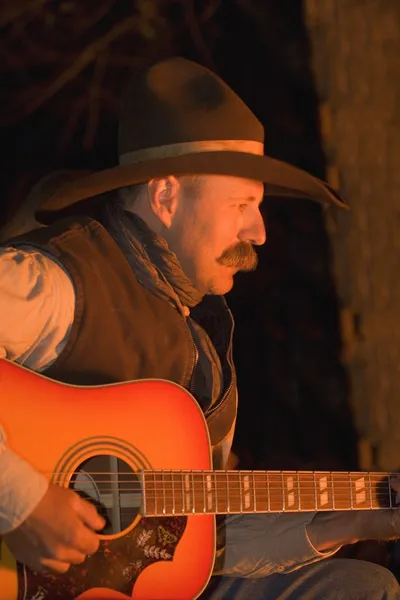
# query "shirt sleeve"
(257, 545)
(21, 488)
(37, 304)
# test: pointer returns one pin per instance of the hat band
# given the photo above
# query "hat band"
(180, 149)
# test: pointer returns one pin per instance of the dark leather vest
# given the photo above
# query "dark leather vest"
(122, 331)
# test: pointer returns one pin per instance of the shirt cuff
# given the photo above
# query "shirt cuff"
(324, 553)
(21, 489)
(300, 550)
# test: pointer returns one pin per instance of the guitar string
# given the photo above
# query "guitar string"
(168, 485)
(200, 487)
(267, 474)
(165, 482)
(221, 481)
(223, 485)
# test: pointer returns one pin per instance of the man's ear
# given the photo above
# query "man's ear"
(163, 198)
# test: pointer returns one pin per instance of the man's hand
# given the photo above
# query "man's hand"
(385, 524)
(333, 529)
(60, 532)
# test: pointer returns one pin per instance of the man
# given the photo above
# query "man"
(83, 300)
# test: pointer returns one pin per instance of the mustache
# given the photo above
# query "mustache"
(242, 256)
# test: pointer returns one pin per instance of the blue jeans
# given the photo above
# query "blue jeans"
(332, 579)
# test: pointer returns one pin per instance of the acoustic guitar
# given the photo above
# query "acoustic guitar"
(140, 451)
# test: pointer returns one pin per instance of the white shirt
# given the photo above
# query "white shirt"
(30, 284)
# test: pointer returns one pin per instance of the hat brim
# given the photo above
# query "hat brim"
(284, 179)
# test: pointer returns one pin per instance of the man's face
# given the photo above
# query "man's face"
(213, 231)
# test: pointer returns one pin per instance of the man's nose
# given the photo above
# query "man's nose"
(256, 233)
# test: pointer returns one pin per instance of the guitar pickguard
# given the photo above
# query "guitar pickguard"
(116, 565)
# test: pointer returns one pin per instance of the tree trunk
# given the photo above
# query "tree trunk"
(355, 54)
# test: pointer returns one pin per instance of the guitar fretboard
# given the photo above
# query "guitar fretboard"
(223, 492)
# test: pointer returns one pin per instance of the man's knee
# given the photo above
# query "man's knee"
(383, 583)
(371, 581)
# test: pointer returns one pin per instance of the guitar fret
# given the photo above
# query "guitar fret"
(247, 492)
(204, 493)
(254, 491)
(275, 491)
(198, 492)
(291, 491)
(219, 490)
(183, 493)
(376, 499)
(176, 479)
(228, 506)
(164, 508)
(234, 492)
(315, 492)
(307, 491)
(241, 492)
(324, 490)
(167, 497)
(382, 495)
(144, 494)
(155, 492)
(216, 493)
(211, 498)
(322, 499)
(268, 493)
(173, 493)
(283, 492)
(360, 482)
(340, 491)
(370, 490)
(298, 493)
(188, 495)
(351, 494)
(193, 495)
(260, 491)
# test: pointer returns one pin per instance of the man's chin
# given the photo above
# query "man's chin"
(222, 286)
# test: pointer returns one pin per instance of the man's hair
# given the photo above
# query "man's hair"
(126, 197)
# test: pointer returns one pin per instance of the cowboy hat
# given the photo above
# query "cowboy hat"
(180, 118)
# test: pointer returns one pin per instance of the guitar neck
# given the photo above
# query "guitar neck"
(224, 492)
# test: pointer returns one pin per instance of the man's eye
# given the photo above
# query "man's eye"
(242, 207)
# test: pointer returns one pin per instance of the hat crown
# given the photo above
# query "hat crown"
(179, 118)
(178, 101)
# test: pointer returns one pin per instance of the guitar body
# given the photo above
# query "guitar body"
(79, 437)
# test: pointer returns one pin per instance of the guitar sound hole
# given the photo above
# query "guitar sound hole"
(113, 487)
